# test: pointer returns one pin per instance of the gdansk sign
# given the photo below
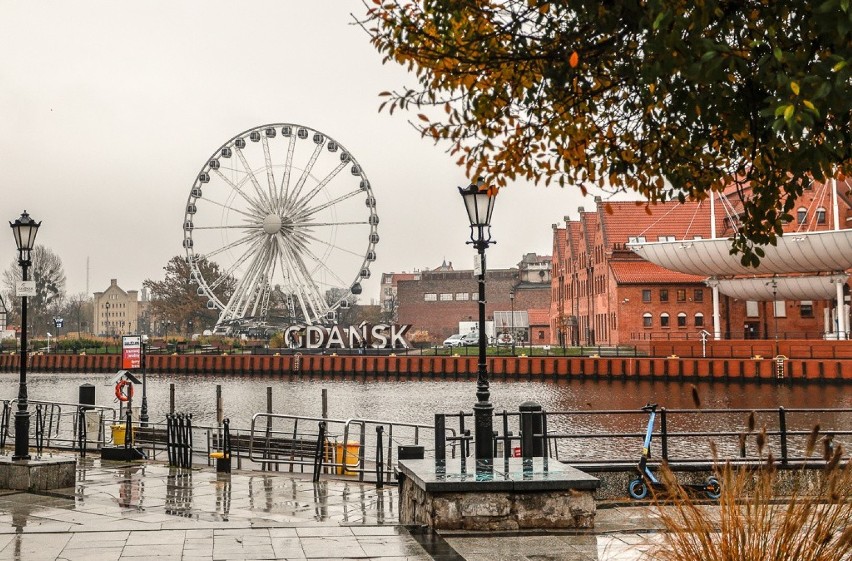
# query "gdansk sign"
(379, 336)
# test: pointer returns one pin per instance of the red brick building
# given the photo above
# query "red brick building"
(436, 301)
(605, 294)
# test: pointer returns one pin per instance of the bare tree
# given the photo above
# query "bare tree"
(49, 277)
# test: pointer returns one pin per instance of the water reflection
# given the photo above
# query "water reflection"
(223, 495)
(179, 492)
(130, 489)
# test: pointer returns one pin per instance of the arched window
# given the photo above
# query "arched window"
(664, 319)
(681, 319)
(647, 319)
(699, 320)
(820, 215)
(802, 215)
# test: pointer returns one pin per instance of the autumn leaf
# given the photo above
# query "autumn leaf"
(794, 86)
(574, 59)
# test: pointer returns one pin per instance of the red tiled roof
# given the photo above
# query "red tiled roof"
(683, 221)
(639, 271)
(539, 317)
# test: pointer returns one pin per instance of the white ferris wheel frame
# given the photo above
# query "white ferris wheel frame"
(276, 227)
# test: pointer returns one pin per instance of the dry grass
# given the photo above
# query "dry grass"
(809, 520)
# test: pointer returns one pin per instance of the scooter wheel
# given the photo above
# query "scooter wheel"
(713, 488)
(637, 489)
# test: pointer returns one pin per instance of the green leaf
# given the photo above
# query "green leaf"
(839, 66)
(660, 17)
(789, 112)
(778, 53)
(708, 55)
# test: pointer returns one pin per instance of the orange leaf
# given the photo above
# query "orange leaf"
(422, 117)
(574, 59)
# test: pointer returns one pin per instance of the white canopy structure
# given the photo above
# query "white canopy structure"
(825, 254)
(805, 287)
(804, 252)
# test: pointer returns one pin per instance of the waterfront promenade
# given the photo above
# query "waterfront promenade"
(131, 512)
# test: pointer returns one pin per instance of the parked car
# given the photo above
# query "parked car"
(462, 340)
(454, 341)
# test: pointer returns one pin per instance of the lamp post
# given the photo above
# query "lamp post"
(512, 322)
(24, 230)
(143, 411)
(774, 285)
(479, 203)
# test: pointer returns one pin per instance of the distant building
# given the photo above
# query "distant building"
(116, 311)
(437, 300)
(388, 299)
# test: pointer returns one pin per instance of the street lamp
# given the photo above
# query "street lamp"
(479, 203)
(24, 230)
(512, 302)
(143, 412)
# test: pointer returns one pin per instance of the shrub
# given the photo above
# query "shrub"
(811, 521)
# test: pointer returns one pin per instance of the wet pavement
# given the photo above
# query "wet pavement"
(124, 512)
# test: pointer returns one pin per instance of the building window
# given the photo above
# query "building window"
(636, 239)
(698, 295)
(699, 320)
(646, 296)
(647, 319)
(430, 297)
(664, 319)
(806, 308)
(751, 309)
(681, 319)
(664, 295)
(780, 308)
(802, 215)
(681, 295)
(666, 238)
(462, 296)
(446, 297)
(820, 215)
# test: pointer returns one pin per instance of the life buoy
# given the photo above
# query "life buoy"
(120, 394)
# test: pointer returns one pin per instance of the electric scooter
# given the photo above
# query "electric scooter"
(638, 488)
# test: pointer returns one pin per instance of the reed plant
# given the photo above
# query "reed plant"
(764, 513)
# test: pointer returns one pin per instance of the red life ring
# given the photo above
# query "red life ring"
(120, 393)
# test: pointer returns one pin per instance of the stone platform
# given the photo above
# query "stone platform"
(39, 474)
(510, 494)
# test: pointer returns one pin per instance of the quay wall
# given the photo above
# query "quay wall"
(421, 366)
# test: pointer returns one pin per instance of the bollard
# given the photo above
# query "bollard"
(223, 458)
(532, 430)
(440, 436)
(86, 396)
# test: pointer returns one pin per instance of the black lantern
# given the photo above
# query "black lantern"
(479, 203)
(24, 230)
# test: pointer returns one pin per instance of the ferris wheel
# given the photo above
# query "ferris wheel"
(288, 216)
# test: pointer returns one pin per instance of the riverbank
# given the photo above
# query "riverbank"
(422, 366)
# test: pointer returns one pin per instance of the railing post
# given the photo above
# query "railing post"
(664, 435)
(782, 425)
(507, 441)
(380, 467)
(318, 453)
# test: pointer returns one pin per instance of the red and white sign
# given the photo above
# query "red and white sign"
(131, 352)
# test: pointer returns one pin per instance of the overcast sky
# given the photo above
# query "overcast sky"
(108, 110)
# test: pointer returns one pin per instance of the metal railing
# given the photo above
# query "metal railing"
(343, 446)
(58, 424)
